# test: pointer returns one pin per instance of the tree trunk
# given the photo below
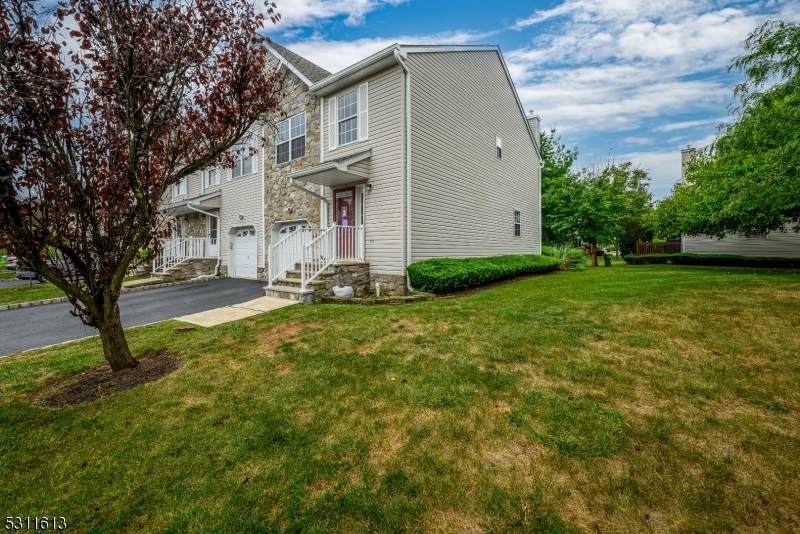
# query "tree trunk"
(593, 242)
(115, 346)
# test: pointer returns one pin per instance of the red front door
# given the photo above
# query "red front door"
(345, 216)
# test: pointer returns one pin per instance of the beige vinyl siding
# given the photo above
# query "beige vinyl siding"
(463, 197)
(241, 196)
(777, 244)
(383, 215)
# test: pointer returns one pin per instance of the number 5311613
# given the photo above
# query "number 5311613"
(35, 523)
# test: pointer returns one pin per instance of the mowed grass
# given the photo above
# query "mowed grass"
(6, 275)
(630, 399)
(34, 291)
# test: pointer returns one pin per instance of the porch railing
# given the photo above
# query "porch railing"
(176, 251)
(315, 249)
(334, 245)
(285, 253)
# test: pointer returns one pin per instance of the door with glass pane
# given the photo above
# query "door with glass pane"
(213, 237)
(345, 217)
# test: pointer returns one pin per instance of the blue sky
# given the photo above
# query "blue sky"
(639, 79)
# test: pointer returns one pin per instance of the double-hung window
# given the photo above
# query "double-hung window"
(517, 223)
(212, 177)
(179, 188)
(347, 113)
(243, 163)
(291, 138)
(348, 116)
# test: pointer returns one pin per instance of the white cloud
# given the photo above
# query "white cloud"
(310, 12)
(685, 125)
(336, 55)
(633, 140)
(611, 65)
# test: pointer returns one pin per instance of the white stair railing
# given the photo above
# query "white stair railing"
(284, 254)
(335, 244)
(176, 251)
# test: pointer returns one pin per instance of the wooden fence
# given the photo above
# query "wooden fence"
(671, 247)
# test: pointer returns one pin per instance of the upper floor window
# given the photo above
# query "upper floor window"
(291, 138)
(179, 188)
(212, 177)
(244, 160)
(517, 223)
(347, 113)
(348, 117)
(499, 148)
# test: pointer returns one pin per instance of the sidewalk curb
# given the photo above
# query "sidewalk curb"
(58, 300)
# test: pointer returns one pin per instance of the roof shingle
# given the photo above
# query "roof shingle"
(310, 70)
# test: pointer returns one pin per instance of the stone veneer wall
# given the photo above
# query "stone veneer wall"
(279, 196)
(391, 284)
(190, 269)
(195, 225)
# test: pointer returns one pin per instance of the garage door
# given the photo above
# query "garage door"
(245, 253)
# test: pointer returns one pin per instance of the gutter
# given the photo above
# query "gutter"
(263, 175)
(407, 258)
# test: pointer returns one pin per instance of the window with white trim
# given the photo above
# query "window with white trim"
(348, 117)
(291, 138)
(179, 188)
(499, 148)
(243, 164)
(517, 224)
(212, 177)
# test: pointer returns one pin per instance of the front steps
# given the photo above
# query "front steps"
(349, 273)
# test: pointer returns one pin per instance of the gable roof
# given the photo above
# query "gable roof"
(390, 56)
(307, 71)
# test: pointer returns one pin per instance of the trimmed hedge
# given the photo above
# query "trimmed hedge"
(445, 275)
(714, 260)
(548, 251)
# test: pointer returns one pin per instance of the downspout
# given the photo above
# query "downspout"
(263, 202)
(402, 64)
(323, 212)
(219, 249)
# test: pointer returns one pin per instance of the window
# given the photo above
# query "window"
(500, 148)
(517, 224)
(244, 161)
(348, 117)
(212, 177)
(291, 138)
(347, 114)
(179, 188)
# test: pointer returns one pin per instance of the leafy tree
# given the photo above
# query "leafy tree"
(93, 134)
(748, 180)
(556, 191)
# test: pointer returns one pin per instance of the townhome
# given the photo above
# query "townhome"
(413, 153)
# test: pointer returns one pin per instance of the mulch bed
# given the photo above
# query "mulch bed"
(90, 385)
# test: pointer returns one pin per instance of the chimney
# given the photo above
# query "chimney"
(533, 123)
(686, 155)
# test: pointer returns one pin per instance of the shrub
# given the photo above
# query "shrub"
(445, 275)
(714, 260)
(572, 259)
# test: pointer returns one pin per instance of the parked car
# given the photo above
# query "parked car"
(11, 263)
(26, 273)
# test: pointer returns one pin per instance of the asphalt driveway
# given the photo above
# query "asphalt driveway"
(40, 326)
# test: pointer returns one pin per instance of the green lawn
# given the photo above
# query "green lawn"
(630, 399)
(27, 293)
(6, 275)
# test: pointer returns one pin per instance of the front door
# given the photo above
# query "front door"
(213, 236)
(345, 217)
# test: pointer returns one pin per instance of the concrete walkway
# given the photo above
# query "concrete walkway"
(236, 311)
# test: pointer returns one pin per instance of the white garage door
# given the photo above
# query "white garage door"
(245, 252)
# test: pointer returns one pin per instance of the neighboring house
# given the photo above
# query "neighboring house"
(784, 243)
(424, 151)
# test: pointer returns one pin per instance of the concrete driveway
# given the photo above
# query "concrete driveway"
(40, 326)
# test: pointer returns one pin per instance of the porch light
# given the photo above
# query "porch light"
(241, 217)
(369, 186)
